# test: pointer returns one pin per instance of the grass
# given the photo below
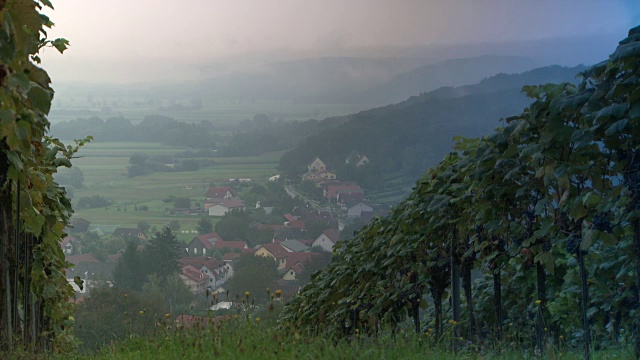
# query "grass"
(104, 165)
(249, 339)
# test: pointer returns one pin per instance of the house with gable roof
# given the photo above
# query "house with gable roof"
(223, 207)
(70, 245)
(275, 251)
(293, 272)
(360, 211)
(194, 279)
(356, 159)
(221, 192)
(327, 240)
(216, 271)
(317, 166)
(203, 244)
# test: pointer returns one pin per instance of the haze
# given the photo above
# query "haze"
(124, 41)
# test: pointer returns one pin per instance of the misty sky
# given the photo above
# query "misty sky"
(142, 40)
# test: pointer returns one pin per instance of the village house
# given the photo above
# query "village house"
(330, 190)
(93, 272)
(293, 272)
(79, 225)
(296, 262)
(194, 279)
(349, 197)
(216, 271)
(317, 165)
(354, 158)
(360, 211)
(203, 244)
(223, 207)
(70, 245)
(266, 205)
(221, 192)
(274, 251)
(327, 240)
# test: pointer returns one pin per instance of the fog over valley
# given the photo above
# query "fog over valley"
(277, 179)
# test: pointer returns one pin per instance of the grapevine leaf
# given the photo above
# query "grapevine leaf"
(616, 127)
(40, 99)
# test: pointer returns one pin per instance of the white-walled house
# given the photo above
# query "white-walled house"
(327, 240)
(223, 207)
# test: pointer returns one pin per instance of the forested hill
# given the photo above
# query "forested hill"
(404, 139)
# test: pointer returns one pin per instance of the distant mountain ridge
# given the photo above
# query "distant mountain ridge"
(455, 72)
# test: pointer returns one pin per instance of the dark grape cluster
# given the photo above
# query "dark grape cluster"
(601, 222)
(573, 244)
(530, 216)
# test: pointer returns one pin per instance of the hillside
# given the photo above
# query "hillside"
(404, 139)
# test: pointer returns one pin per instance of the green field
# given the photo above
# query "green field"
(104, 165)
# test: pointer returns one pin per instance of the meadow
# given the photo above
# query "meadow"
(104, 165)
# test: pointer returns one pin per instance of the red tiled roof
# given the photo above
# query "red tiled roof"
(199, 262)
(298, 268)
(194, 274)
(207, 240)
(332, 190)
(290, 217)
(298, 257)
(230, 256)
(276, 250)
(332, 234)
(230, 245)
(220, 192)
(114, 258)
(67, 240)
(77, 259)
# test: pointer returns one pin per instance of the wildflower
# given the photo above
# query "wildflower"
(278, 293)
(258, 320)
(167, 315)
(268, 291)
(453, 322)
(141, 312)
(246, 293)
(538, 302)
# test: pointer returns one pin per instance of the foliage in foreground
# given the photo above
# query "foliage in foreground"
(34, 209)
(547, 209)
(240, 338)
